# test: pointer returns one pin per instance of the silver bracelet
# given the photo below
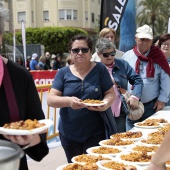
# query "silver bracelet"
(25, 147)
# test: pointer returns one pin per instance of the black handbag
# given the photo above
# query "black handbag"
(124, 106)
(109, 122)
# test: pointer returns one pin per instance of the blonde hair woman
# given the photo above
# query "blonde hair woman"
(110, 34)
(42, 63)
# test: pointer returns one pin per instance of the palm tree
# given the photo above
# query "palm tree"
(153, 13)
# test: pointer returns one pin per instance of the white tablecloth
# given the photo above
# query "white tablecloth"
(165, 114)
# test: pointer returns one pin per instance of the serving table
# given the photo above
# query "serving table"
(165, 114)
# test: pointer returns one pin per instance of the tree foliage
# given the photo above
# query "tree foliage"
(154, 13)
(54, 39)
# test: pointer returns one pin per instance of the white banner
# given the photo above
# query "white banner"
(24, 41)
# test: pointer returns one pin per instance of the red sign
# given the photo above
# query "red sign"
(43, 76)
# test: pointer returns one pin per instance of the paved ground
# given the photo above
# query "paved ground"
(54, 159)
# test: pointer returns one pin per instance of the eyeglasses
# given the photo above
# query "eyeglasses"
(166, 44)
(77, 50)
(113, 53)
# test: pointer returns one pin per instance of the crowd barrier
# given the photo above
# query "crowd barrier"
(50, 113)
(43, 76)
(43, 80)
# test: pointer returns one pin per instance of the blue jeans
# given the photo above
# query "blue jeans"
(148, 111)
(73, 148)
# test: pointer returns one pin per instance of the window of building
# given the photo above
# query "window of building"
(45, 15)
(92, 17)
(67, 14)
(74, 14)
(86, 16)
(61, 14)
(21, 16)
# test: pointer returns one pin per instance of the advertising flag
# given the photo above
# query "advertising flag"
(24, 41)
(128, 27)
(169, 26)
(111, 13)
(14, 45)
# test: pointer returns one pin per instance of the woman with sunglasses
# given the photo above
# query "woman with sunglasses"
(81, 127)
(110, 34)
(121, 73)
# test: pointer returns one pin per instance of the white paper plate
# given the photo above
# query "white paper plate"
(96, 104)
(134, 139)
(168, 165)
(147, 144)
(101, 143)
(74, 158)
(157, 120)
(100, 164)
(137, 163)
(47, 122)
(62, 166)
(130, 148)
(146, 127)
(90, 151)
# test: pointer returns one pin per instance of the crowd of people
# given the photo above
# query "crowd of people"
(144, 71)
(46, 62)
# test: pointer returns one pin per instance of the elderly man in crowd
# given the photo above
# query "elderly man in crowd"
(151, 64)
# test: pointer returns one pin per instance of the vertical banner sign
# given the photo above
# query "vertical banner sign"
(14, 45)
(169, 26)
(24, 41)
(128, 27)
(111, 13)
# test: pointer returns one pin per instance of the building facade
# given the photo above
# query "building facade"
(59, 13)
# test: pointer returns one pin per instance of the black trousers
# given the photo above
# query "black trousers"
(73, 148)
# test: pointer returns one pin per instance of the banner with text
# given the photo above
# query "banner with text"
(111, 13)
(43, 77)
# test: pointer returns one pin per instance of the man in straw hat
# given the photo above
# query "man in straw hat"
(151, 64)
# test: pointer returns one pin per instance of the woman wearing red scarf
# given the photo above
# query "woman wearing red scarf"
(151, 64)
(19, 100)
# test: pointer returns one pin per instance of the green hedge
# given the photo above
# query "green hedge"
(54, 39)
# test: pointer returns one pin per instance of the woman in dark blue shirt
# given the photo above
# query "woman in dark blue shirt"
(81, 127)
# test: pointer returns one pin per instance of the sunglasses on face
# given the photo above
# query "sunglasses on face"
(113, 53)
(77, 50)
